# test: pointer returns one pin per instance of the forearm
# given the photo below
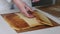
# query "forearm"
(19, 4)
(23, 7)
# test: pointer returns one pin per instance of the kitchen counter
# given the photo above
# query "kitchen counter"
(54, 30)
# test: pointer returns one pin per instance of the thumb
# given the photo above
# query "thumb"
(27, 14)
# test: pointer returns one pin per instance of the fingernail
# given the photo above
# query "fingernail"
(29, 12)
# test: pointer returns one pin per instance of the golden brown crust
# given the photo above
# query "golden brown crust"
(16, 21)
(43, 19)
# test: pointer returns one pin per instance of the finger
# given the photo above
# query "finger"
(24, 11)
(27, 14)
(28, 7)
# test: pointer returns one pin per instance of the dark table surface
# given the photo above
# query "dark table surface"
(53, 9)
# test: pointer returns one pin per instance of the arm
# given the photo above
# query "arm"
(23, 7)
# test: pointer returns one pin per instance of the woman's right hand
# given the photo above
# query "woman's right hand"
(23, 7)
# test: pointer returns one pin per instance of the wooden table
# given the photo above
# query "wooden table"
(53, 9)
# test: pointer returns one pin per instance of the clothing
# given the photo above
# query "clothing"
(4, 5)
(28, 2)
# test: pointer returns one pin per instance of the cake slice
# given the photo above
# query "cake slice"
(42, 18)
(31, 21)
(15, 21)
(18, 21)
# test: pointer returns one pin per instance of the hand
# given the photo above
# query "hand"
(23, 7)
(35, 0)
